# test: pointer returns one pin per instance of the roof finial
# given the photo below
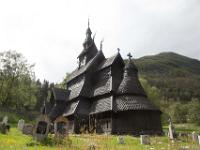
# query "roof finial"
(101, 44)
(88, 22)
(118, 50)
(129, 56)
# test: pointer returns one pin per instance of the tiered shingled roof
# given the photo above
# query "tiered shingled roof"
(131, 95)
(130, 83)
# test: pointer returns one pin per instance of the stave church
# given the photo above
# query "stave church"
(104, 95)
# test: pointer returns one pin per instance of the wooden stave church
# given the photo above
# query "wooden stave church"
(104, 95)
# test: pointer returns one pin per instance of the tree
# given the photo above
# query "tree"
(178, 111)
(194, 111)
(152, 92)
(17, 81)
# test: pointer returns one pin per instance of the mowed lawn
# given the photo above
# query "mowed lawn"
(15, 140)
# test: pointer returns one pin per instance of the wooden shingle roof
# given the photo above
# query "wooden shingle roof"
(71, 108)
(109, 61)
(84, 68)
(76, 88)
(130, 83)
(60, 94)
(101, 105)
(57, 110)
(130, 102)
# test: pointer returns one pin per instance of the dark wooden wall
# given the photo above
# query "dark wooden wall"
(137, 122)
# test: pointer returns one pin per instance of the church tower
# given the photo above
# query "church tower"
(89, 48)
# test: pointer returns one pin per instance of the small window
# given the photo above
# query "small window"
(107, 124)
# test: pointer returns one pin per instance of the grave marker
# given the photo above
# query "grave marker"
(28, 129)
(21, 123)
(61, 127)
(41, 129)
(145, 139)
(194, 136)
(171, 133)
(121, 140)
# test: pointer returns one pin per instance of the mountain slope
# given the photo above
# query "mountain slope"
(176, 76)
(168, 62)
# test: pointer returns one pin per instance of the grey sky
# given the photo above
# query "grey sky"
(50, 33)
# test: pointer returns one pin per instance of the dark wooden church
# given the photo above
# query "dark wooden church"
(104, 95)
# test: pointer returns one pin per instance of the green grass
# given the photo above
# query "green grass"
(15, 140)
(184, 128)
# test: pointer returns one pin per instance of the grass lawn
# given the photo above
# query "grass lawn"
(15, 140)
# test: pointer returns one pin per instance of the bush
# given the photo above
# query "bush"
(194, 111)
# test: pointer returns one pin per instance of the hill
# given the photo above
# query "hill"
(168, 62)
(176, 76)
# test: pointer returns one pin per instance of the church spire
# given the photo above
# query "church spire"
(89, 48)
(88, 31)
(88, 40)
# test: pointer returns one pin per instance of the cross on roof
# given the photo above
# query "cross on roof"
(88, 22)
(130, 56)
(118, 50)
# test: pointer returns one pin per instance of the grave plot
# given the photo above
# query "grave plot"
(61, 127)
(42, 128)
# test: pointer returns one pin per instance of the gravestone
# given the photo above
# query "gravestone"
(91, 147)
(61, 127)
(27, 129)
(41, 129)
(194, 136)
(145, 139)
(121, 140)
(199, 139)
(5, 120)
(171, 133)
(4, 126)
(21, 123)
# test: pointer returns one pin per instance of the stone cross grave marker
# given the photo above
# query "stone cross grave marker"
(21, 123)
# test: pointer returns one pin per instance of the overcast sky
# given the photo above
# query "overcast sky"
(50, 33)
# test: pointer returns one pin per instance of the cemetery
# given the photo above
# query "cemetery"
(15, 139)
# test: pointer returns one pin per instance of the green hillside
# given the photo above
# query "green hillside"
(176, 76)
(168, 62)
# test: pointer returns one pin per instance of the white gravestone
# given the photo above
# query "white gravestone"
(171, 135)
(199, 139)
(145, 139)
(5, 120)
(194, 136)
(21, 123)
(121, 140)
(171, 132)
